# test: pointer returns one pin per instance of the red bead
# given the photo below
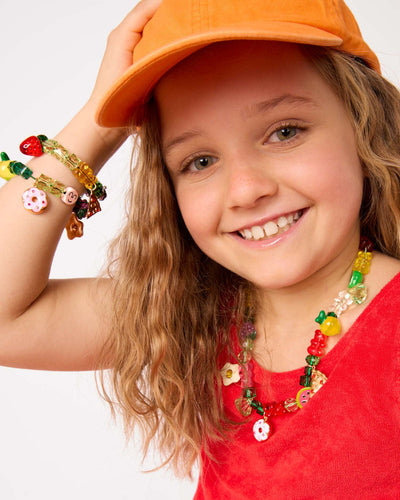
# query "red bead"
(315, 351)
(366, 245)
(280, 408)
(319, 335)
(31, 146)
(269, 409)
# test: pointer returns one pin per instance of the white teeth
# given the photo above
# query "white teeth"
(247, 234)
(270, 228)
(282, 221)
(257, 232)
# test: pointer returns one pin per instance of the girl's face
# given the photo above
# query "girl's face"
(263, 160)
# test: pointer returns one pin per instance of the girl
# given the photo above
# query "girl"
(262, 158)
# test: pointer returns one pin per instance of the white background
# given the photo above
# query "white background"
(57, 440)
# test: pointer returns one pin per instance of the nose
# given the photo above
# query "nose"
(249, 181)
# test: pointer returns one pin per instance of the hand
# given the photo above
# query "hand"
(121, 42)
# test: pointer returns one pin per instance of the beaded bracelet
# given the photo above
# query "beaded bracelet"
(35, 200)
(37, 145)
(43, 183)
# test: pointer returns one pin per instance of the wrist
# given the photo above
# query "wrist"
(90, 142)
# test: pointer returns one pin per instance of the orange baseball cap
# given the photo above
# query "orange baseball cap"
(181, 27)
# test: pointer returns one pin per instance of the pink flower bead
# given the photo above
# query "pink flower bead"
(34, 200)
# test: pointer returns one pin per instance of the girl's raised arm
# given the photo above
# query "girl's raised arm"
(60, 324)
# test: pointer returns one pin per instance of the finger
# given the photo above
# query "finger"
(127, 34)
(140, 15)
(121, 43)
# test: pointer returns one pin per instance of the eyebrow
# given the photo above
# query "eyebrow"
(270, 104)
(252, 109)
(179, 139)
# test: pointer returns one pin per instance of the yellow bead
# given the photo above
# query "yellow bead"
(363, 262)
(4, 171)
(331, 326)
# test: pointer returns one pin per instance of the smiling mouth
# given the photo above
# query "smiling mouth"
(271, 228)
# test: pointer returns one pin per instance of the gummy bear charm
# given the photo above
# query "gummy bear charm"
(363, 262)
(342, 302)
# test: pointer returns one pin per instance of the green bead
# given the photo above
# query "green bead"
(98, 190)
(305, 381)
(18, 168)
(249, 392)
(257, 406)
(332, 314)
(321, 317)
(355, 279)
(308, 370)
(81, 214)
(252, 335)
(312, 360)
(4, 156)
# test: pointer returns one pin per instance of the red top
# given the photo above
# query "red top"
(344, 443)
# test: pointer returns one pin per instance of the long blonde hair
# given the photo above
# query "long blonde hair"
(174, 307)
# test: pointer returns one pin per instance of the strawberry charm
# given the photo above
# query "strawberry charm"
(32, 146)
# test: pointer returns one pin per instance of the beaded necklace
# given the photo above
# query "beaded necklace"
(312, 379)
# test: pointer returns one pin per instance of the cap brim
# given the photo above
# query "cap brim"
(133, 88)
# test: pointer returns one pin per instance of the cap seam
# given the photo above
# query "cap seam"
(336, 12)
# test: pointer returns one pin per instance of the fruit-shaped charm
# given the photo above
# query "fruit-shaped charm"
(32, 146)
(330, 326)
(5, 172)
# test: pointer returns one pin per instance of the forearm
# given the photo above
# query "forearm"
(30, 240)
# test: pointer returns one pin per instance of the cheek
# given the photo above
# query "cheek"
(200, 212)
(335, 174)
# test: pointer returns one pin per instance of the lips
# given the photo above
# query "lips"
(271, 228)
